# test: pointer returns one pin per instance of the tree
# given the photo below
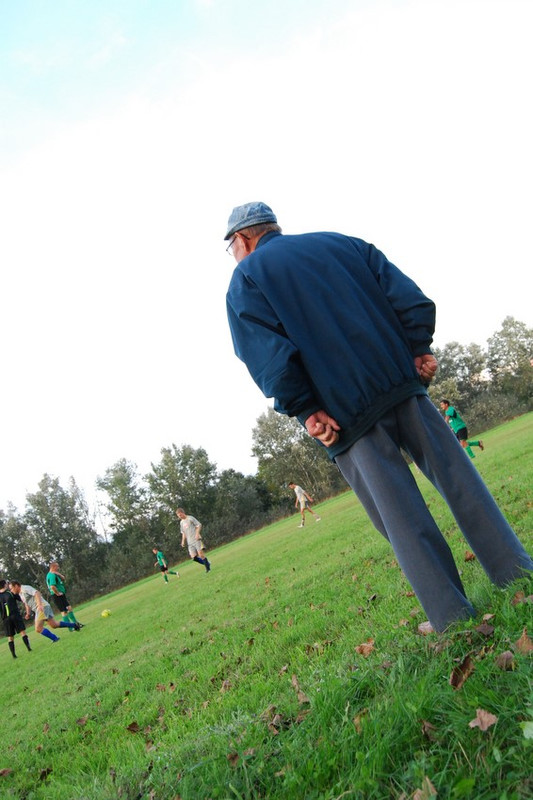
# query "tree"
(184, 477)
(136, 528)
(59, 526)
(509, 360)
(285, 452)
(240, 505)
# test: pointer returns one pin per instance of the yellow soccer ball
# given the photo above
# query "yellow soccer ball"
(106, 612)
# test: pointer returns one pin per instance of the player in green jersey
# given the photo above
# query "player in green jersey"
(458, 426)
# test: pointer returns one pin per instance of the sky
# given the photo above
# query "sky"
(129, 129)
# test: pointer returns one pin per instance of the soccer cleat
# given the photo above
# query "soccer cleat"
(318, 519)
(481, 445)
(301, 525)
(207, 566)
(77, 626)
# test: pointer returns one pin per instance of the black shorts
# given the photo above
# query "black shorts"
(61, 602)
(462, 434)
(162, 568)
(13, 625)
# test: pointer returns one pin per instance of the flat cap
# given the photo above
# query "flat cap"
(247, 215)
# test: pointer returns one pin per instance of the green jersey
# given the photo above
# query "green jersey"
(53, 579)
(161, 560)
(455, 419)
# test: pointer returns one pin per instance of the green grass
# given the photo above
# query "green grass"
(246, 683)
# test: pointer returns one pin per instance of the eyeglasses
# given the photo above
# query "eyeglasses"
(229, 248)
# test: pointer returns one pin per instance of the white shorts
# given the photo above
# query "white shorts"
(194, 547)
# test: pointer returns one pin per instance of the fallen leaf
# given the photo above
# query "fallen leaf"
(44, 773)
(505, 660)
(82, 721)
(485, 629)
(366, 648)
(483, 720)
(46, 727)
(226, 686)
(133, 727)
(524, 644)
(357, 720)
(161, 687)
(6, 771)
(410, 594)
(284, 669)
(426, 792)
(233, 758)
(462, 672)
(469, 556)
(487, 617)
(403, 622)
(427, 730)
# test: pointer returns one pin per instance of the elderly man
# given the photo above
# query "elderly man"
(341, 339)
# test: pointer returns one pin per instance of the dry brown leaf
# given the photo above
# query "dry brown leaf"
(284, 669)
(133, 727)
(46, 727)
(44, 773)
(410, 593)
(426, 792)
(524, 644)
(233, 758)
(357, 720)
(469, 556)
(518, 597)
(403, 622)
(462, 672)
(6, 771)
(427, 730)
(487, 617)
(226, 686)
(82, 721)
(366, 648)
(485, 629)
(505, 660)
(483, 720)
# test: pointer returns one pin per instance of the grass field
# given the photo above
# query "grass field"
(293, 670)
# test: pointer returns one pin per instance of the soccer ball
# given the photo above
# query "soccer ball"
(106, 612)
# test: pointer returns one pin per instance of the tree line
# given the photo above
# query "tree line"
(488, 386)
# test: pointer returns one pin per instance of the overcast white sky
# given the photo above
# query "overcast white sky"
(128, 132)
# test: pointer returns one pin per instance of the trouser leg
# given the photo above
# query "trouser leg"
(377, 472)
(435, 450)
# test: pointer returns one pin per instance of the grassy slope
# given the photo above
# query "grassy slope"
(246, 683)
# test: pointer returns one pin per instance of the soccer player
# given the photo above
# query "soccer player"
(191, 533)
(10, 614)
(34, 601)
(56, 585)
(303, 499)
(162, 563)
(458, 426)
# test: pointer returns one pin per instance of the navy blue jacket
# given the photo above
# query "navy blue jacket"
(325, 321)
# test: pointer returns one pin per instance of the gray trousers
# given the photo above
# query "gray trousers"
(378, 473)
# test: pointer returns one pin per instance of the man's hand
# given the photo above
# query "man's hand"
(323, 427)
(426, 366)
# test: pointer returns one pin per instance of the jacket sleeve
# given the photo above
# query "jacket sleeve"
(415, 311)
(260, 341)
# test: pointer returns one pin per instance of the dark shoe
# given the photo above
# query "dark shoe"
(77, 626)
(207, 566)
(481, 445)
